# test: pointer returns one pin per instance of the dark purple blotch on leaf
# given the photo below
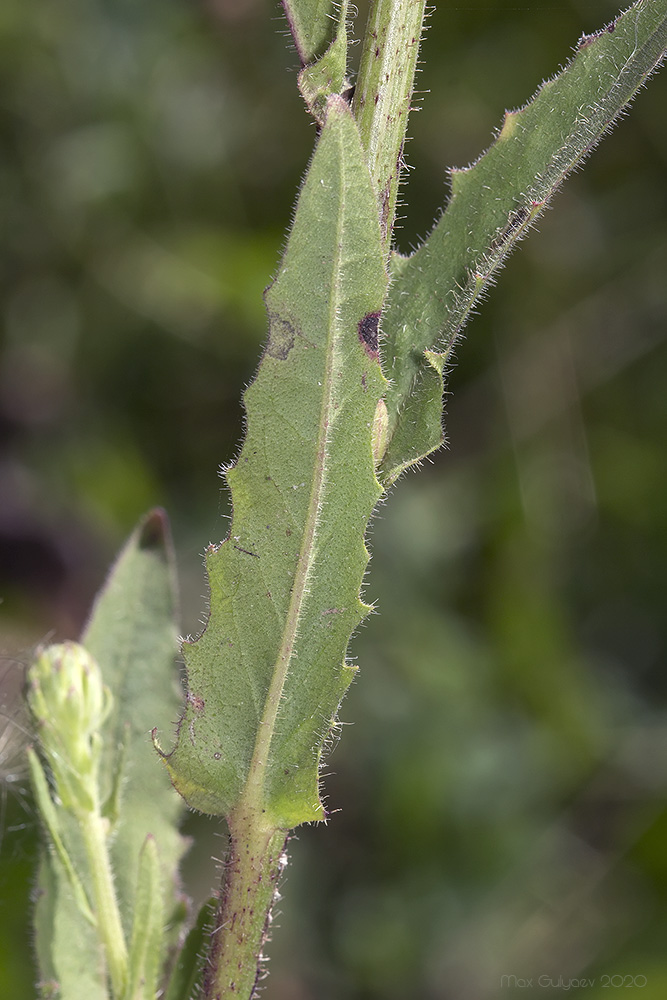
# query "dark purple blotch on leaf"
(368, 334)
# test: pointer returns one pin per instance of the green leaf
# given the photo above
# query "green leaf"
(266, 676)
(419, 430)
(132, 635)
(113, 803)
(69, 954)
(326, 76)
(310, 23)
(189, 963)
(495, 201)
(146, 941)
(49, 816)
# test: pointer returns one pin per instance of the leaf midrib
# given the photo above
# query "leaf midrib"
(254, 789)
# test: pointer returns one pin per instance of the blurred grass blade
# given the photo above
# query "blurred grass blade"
(266, 676)
(495, 201)
(132, 635)
(310, 22)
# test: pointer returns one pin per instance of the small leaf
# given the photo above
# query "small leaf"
(310, 24)
(69, 954)
(146, 939)
(132, 635)
(49, 816)
(67, 944)
(190, 960)
(326, 76)
(495, 201)
(111, 809)
(419, 430)
(45, 896)
(266, 676)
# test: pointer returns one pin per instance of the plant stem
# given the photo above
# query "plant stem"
(252, 869)
(94, 833)
(383, 93)
(256, 852)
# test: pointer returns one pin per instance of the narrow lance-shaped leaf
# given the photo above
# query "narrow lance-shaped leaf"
(49, 816)
(187, 971)
(492, 205)
(132, 635)
(146, 942)
(69, 954)
(266, 676)
(68, 950)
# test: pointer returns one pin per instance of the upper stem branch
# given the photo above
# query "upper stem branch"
(383, 94)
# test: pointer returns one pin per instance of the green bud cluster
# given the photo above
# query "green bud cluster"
(70, 703)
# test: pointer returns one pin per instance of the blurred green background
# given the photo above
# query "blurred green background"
(498, 797)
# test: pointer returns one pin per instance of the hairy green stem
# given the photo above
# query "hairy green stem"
(383, 94)
(252, 869)
(94, 832)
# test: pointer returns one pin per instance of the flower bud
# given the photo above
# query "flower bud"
(69, 703)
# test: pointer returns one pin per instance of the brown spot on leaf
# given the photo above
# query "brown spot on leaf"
(196, 702)
(281, 337)
(368, 334)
